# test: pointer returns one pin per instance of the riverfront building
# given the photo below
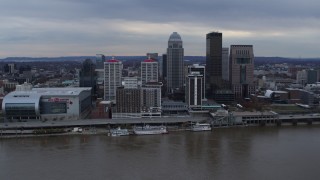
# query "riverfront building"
(138, 101)
(194, 93)
(128, 100)
(112, 78)
(175, 64)
(201, 70)
(47, 104)
(151, 99)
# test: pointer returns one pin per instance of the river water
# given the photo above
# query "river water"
(229, 153)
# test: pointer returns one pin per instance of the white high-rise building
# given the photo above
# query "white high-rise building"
(194, 92)
(202, 71)
(175, 64)
(149, 71)
(112, 78)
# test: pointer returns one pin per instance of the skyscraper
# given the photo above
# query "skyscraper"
(175, 64)
(241, 70)
(214, 62)
(100, 59)
(164, 66)
(149, 71)
(88, 76)
(112, 78)
(225, 63)
(201, 69)
(194, 91)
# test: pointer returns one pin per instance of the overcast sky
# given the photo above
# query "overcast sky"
(37, 28)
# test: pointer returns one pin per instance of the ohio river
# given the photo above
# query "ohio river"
(229, 153)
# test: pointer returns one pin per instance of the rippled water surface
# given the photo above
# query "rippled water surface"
(230, 153)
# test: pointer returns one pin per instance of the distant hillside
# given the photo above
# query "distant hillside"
(275, 60)
(31, 59)
(188, 59)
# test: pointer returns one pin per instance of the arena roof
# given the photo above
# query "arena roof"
(60, 91)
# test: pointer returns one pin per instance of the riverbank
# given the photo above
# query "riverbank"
(88, 131)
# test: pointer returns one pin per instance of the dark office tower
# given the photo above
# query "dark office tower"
(175, 64)
(87, 75)
(312, 76)
(241, 70)
(214, 63)
(225, 64)
(164, 66)
(100, 59)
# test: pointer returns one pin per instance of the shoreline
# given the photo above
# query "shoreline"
(104, 131)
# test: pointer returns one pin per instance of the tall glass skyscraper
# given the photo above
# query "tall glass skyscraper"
(175, 64)
(88, 76)
(214, 61)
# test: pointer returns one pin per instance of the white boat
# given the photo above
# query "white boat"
(201, 127)
(119, 132)
(147, 129)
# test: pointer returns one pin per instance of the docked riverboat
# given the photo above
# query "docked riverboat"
(118, 132)
(148, 130)
(201, 127)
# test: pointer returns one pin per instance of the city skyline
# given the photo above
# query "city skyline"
(81, 28)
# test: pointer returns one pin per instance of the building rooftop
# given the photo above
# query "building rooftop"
(175, 37)
(112, 60)
(257, 113)
(37, 92)
(149, 60)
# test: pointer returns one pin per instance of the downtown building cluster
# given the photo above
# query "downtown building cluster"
(164, 85)
(108, 87)
(224, 78)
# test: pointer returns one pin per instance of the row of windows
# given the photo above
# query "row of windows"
(20, 109)
(53, 107)
(243, 60)
(21, 96)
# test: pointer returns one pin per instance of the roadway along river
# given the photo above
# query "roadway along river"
(230, 153)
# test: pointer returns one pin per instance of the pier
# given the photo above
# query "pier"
(264, 118)
(217, 120)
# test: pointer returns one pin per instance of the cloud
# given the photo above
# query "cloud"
(123, 27)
